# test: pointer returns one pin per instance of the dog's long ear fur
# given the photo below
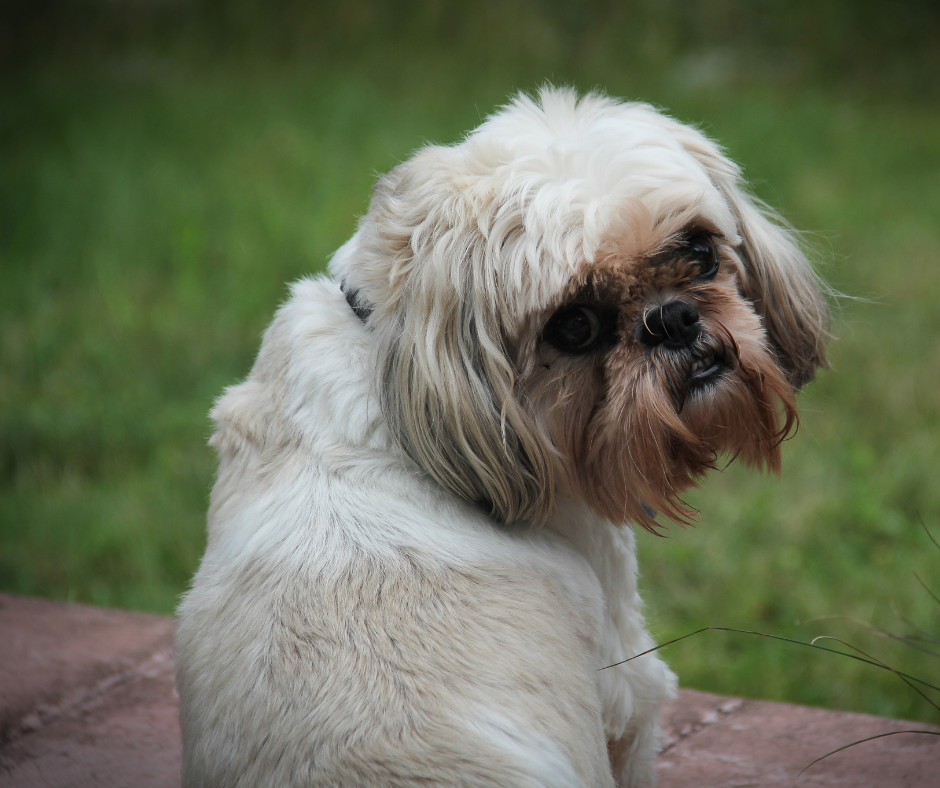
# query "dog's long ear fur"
(784, 289)
(444, 377)
(778, 279)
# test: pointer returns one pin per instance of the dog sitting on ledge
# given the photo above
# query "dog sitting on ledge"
(419, 551)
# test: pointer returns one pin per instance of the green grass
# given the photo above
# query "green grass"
(152, 208)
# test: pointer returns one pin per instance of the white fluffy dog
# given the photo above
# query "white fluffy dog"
(420, 552)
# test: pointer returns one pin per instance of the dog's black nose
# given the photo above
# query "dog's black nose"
(674, 324)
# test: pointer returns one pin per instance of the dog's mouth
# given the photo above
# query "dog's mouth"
(687, 374)
(706, 369)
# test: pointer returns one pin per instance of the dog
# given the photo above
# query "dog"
(420, 555)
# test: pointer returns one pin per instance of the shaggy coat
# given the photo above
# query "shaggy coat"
(419, 555)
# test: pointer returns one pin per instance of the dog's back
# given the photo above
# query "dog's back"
(353, 625)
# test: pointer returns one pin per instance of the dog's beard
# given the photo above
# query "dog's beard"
(645, 427)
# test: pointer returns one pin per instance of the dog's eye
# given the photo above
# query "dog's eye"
(574, 329)
(701, 250)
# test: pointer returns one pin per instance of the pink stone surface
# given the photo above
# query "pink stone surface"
(87, 699)
(718, 742)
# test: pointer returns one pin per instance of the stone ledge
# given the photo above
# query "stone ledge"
(87, 699)
(713, 741)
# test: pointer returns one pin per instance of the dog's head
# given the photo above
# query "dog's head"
(580, 300)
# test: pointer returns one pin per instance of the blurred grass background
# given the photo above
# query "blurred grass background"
(166, 166)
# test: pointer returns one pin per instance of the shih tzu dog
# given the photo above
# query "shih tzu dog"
(420, 551)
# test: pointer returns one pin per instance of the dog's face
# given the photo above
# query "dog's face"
(579, 300)
(651, 364)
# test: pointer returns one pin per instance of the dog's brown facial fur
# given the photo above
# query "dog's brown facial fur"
(631, 429)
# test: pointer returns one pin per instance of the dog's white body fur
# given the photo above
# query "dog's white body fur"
(453, 652)
(356, 623)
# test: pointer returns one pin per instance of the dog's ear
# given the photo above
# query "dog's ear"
(784, 289)
(777, 277)
(445, 379)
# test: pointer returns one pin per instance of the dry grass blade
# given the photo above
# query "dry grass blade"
(926, 588)
(909, 640)
(871, 661)
(875, 660)
(927, 531)
(924, 637)
(862, 741)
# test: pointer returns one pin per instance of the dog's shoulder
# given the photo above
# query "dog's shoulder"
(310, 373)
